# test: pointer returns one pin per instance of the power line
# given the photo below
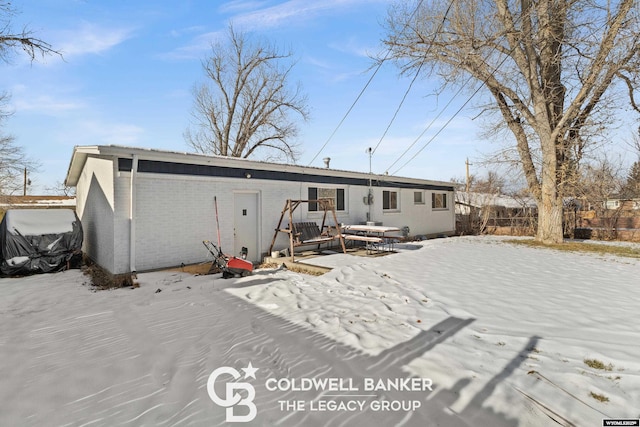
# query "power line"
(399, 106)
(365, 87)
(435, 34)
(441, 129)
(348, 111)
(430, 124)
(495, 69)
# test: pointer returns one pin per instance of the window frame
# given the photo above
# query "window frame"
(388, 199)
(444, 202)
(340, 198)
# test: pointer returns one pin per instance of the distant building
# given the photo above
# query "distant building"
(500, 205)
(623, 203)
(36, 202)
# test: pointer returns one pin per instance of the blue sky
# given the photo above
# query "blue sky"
(129, 68)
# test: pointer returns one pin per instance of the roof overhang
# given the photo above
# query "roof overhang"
(81, 153)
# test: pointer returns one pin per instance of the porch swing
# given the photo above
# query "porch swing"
(305, 233)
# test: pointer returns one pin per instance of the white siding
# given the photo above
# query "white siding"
(94, 205)
(122, 190)
(175, 213)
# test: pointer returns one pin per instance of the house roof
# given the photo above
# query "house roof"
(37, 201)
(479, 200)
(201, 162)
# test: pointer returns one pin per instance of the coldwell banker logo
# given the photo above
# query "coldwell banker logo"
(338, 394)
(233, 400)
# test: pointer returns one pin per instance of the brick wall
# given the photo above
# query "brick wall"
(175, 213)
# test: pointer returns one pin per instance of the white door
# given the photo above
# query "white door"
(245, 226)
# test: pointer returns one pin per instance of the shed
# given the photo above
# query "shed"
(38, 240)
(145, 209)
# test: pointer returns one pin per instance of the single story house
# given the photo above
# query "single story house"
(144, 209)
(36, 202)
(616, 202)
(499, 205)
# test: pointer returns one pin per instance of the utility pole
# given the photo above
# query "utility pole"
(370, 151)
(24, 192)
(466, 189)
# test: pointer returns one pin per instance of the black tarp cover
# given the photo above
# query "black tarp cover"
(38, 240)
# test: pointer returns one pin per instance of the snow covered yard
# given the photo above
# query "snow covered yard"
(509, 335)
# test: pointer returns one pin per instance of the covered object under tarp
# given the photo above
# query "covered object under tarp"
(38, 240)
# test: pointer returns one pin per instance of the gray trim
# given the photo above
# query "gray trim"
(174, 168)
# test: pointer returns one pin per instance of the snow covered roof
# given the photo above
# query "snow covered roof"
(479, 200)
(37, 201)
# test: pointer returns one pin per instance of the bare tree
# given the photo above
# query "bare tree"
(631, 188)
(11, 40)
(246, 105)
(548, 66)
(13, 159)
(600, 190)
(60, 189)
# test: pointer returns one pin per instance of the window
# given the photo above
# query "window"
(335, 194)
(418, 198)
(612, 204)
(439, 200)
(389, 200)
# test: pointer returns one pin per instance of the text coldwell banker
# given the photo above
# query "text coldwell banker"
(347, 384)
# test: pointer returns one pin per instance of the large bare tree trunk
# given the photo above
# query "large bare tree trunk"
(549, 214)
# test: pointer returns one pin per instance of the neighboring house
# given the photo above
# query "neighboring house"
(146, 209)
(622, 203)
(611, 216)
(494, 213)
(36, 202)
(498, 205)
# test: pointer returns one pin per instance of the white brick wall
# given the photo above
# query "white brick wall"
(175, 213)
(121, 222)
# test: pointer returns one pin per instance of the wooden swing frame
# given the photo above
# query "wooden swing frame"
(308, 233)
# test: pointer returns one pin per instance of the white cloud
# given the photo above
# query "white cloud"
(95, 131)
(297, 11)
(285, 13)
(332, 72)
(235, 6)
(196, 48)
(117, 133)
(353, 47)
(319, 63)
(25, 99)
(46, 104)
(187, 30)
(91, 39)
(274, 16)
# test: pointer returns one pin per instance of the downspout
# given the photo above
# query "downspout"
(132, 217)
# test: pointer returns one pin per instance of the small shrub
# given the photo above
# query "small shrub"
(600, 397)
(596, 364)
(102, 279)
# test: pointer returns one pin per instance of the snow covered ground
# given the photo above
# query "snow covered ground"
(508, 335)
